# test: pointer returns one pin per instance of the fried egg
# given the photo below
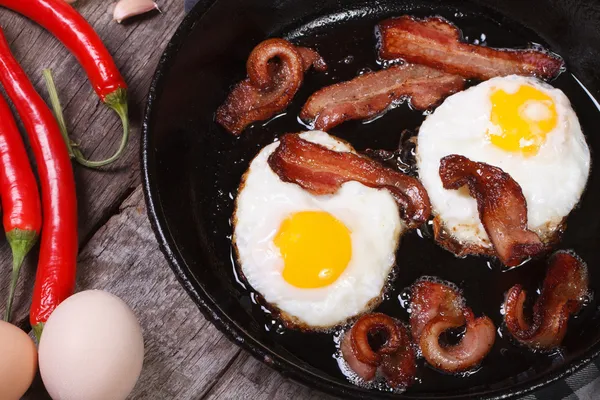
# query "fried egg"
(521, 125)
(318, 260)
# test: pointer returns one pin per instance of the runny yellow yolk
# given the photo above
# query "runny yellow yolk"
(316, 248)
(524, 118)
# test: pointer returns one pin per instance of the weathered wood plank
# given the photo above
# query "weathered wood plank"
(248, 378)
(185, 354)
(136, 48)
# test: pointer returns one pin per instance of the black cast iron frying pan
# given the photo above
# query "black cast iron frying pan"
(192, 168)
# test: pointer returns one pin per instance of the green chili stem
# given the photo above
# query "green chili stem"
(116, 100)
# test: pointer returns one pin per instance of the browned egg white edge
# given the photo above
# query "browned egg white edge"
(289, 321)
(448, 241)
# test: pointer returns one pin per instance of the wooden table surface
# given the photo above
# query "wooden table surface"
(186, 357)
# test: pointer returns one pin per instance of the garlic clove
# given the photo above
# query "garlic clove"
(128, 8)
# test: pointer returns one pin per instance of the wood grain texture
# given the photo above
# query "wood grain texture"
(136, 47)
(248, 378)
(184, 353)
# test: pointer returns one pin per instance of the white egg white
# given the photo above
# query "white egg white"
(264, 202)
(552, 180)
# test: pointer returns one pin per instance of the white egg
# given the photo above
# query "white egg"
(521, 125)
(91, 348)
(264, 203)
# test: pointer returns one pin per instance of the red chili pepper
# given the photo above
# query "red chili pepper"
(19, 194)
(68, 26)
(55, 279)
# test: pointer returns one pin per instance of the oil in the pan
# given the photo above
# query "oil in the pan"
(377, 383)
(273, 118)
(271, 321)
(404, 299)
(403, 158)
(349, 59)
(481, 40)
(586, 300)
(425, 231)
(234, 268)
(275, 326)
(350, 46)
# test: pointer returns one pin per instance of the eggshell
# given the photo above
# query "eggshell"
(91, 348)
(18, 362)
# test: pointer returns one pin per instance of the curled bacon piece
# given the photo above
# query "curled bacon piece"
(501, 205)
(372, 93)
(322, 171)
(475, 344)
(396, 357)
(311, 58)
(437, 43)
(563, 290)
(432, 299)
(360, 342)
(437, 307)
(275, 72)
(399, 368)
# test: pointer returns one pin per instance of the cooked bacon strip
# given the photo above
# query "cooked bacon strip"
(437, 43)
(365, 371)
(396, 357)
(475, 344)
(400, 368)
(275, 72)
(322, 171)
(562, 294)
(311, 58)
(501, 205)
(437, 307)
(372, 93)
(369, 325)
(431, 299)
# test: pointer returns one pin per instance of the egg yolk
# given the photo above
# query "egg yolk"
(316, 248)
(523, 119)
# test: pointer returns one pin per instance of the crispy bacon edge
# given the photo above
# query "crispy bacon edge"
(562, 294)
(436, 307)
(396, 358)
(275, 70)
(438, 43)
(372, 94)
(322, 171)
(501, 204)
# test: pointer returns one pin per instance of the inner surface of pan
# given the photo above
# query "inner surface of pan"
(193, 167)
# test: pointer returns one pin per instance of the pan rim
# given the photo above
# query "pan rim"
(235, 333)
